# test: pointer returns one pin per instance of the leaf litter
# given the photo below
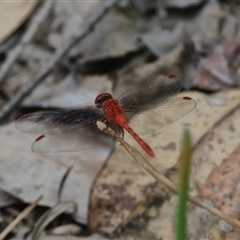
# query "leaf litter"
(132, 44)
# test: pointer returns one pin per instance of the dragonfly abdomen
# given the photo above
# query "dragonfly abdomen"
(122, 122)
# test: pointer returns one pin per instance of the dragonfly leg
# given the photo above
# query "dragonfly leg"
(118, 131)
(106, 122)
(121, 132)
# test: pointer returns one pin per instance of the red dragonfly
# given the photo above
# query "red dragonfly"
(145, 110)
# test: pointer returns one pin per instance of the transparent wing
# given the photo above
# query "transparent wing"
(165, 113)
(64, 130)
(72, 139)
(148, 97)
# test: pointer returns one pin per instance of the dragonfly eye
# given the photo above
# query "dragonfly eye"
(101, 98)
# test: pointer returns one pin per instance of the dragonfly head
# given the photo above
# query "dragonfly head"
(101, 98)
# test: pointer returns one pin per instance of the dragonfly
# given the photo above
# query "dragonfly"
(141, 111)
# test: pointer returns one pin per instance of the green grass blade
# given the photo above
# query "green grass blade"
(184, 172)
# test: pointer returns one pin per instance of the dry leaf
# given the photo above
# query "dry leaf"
(69, 17)
(223, 189)
(216, 71)
(220, 138)
(13, 14)
(69, 92)
(117, 35)
(26, 175)
(123, 185)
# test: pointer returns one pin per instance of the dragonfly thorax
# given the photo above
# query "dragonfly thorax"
(111, 109)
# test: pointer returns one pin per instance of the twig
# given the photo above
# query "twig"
(19, 218)
(27, 37)
(27, 88)
(165, 181)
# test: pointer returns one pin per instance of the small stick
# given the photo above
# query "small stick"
(165, 181)
(19, 218)
(12, 56)
(37, 79)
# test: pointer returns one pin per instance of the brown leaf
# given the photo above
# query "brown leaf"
(223, 188)
(13, 14)
(123, 185)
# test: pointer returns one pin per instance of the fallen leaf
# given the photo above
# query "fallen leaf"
(223, 189)
(13, 14)
(69, 92)
(216, 70)
(214, 151)
(69, 17)
(26, 175)
(160, 41)
(123, 185)
(117, 35)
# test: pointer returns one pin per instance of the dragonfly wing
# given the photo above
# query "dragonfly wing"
(165, 113)
(72, 139)
(46, 121)
(68, 129)
(148, 97)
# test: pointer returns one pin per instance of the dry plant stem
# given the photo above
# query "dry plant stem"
(49, 216)
(63, 180)
(27, 38)
(27, 88)
(166, 182)
(19, 218)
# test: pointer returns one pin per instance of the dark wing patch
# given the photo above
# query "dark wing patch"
(46, 121)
